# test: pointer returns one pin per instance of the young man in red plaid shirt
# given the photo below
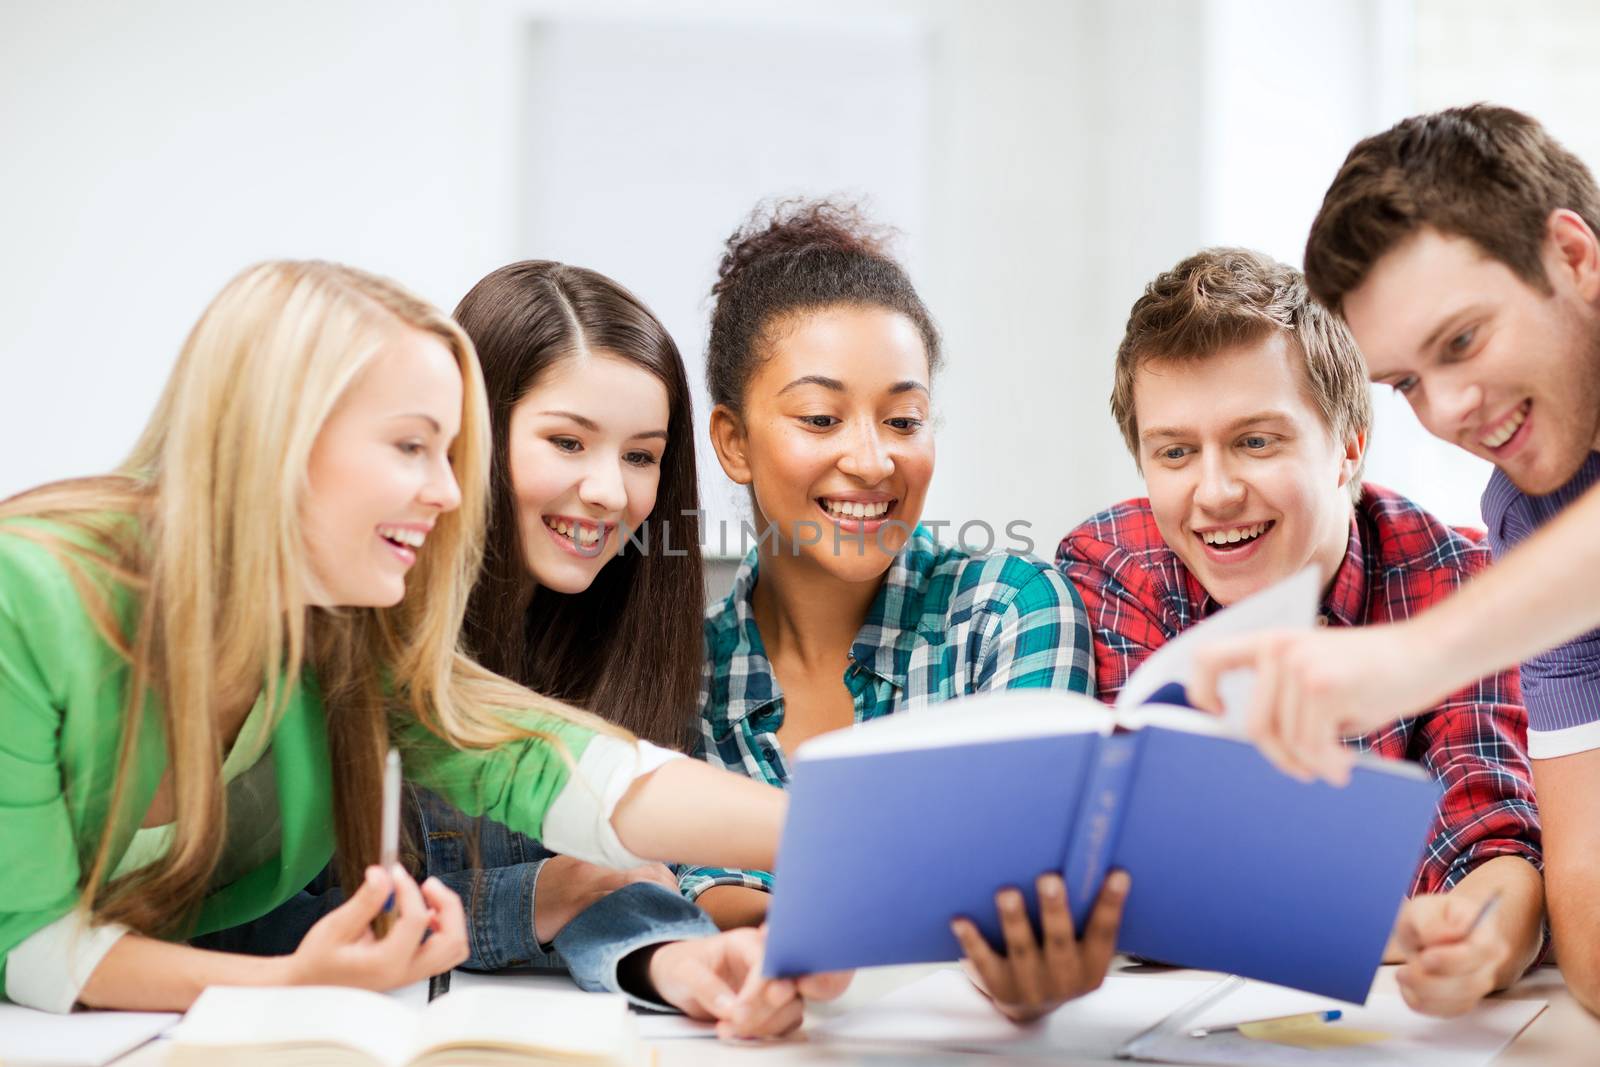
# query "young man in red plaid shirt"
(1246, 407)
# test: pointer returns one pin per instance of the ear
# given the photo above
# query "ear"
(1355, 446)
(729, 439)
(1575, 252)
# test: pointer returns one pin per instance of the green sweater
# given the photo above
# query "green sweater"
(63, 694)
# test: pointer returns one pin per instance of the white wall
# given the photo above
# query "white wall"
(1073, 150)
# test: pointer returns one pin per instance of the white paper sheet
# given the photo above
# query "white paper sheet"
(31, 1038)
(944, 1011)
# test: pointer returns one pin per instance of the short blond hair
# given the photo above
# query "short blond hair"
(1221, 298)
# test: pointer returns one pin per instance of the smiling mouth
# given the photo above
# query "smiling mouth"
(1504, 430)
(857, 511)
(1235, 538)
(583, 538)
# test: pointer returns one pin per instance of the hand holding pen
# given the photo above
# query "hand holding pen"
(428, 933)
(1451, 949)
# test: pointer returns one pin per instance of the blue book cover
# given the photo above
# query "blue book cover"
(1235, 866)
(881, 851)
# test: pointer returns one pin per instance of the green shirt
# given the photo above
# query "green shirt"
(63, 695)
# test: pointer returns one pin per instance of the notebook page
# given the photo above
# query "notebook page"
(46, 1039)
(227, 1016)
(1412, 1040)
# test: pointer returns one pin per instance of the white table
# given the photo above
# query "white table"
(1564, 1035)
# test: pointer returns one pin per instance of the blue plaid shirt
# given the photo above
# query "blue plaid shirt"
(946, 623)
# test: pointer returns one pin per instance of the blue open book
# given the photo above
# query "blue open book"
(898, 825)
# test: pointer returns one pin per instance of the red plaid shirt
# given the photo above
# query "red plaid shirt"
(1400, 561)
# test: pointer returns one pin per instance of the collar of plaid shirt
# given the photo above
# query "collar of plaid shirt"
(881, 646)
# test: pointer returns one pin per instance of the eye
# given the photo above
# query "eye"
(905, 424)
(1172, 453)
(639, 459)
(1463, 340)
(819, 422)
(1403, 386)
(411, 447)
(567, 444)
(1255, 442)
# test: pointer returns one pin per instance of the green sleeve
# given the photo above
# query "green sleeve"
(42, 629)
(514, 784)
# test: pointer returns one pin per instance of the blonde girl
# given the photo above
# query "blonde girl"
(204, 656)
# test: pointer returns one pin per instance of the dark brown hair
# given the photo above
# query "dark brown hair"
(628, 647)
(1225, 297)
(794, 256)
(1486, 173)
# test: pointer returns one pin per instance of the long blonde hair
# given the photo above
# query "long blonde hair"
(217, 483)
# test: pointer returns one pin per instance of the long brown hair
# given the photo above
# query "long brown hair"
(629, 646)
(202, 525)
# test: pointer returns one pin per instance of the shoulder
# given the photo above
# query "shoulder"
(1119, 552)
(1407, 537)
(1001, 583)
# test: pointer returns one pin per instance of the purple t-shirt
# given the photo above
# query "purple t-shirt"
(1561, 687)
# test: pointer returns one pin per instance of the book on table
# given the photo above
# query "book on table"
(898, 825)
(336, 1025)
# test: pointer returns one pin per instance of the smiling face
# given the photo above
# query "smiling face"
(1245, 479)
(380, 472)
(584, 448)
(1486, 361)
(834, 439)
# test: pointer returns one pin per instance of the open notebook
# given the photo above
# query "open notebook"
(900, 824)
(333, 1026)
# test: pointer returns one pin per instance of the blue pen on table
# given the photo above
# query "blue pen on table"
(389, 848)
(1280, 1022)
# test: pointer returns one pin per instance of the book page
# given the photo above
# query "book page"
(235, 1017)
(559, 1023)
(1007, 715)
(1288, 605)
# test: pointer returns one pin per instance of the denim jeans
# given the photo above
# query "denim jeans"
(497, 892)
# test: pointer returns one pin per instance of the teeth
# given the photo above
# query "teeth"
(400, 535)
(1506, 429)
(1233, 536)
(578, 533)
(851, 509)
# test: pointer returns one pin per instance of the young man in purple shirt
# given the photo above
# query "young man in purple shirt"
(1461, 249)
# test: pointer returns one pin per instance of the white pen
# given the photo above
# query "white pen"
(389, 848)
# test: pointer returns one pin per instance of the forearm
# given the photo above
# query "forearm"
(1542, 593)
(688, 812)
(1520, 914)
(733, 906)
(144, 974)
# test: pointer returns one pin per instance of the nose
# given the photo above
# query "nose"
(1450, 407)
(866, 458)
(441, 490)
(1220, 490)
(602, 488)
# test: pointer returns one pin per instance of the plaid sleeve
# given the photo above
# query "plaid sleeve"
(1126, 628)
(1474, 746)
(1038, 637)
(692, 881)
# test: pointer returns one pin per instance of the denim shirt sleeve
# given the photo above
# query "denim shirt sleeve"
(639, 915)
